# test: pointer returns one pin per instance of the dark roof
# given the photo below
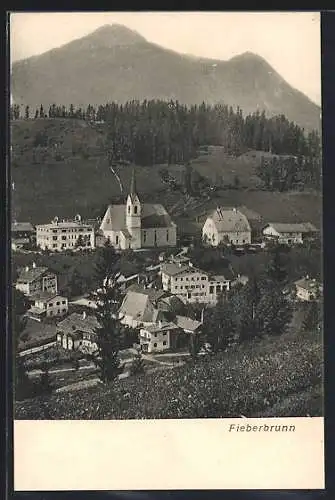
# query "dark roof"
(31, 274)
(173, 269)
(76, 322)
(187, 324)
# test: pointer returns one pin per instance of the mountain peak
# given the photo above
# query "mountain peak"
(115, 34)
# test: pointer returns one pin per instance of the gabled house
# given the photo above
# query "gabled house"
(226, 225)
(308, 289)
(77, 332)
(47, 305)
(22, 233)
(289, 234)
(32, 280)
(141, 307)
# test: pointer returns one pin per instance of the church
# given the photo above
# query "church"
(138, 225)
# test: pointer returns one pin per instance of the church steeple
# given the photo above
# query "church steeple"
(133, 193)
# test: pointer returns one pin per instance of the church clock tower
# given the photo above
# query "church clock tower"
(133, 215)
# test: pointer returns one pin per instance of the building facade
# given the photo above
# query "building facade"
(194, 285)
(138, 225)
(308, 289)
(228, 226)
(32, 280)
(289, 234)
(22, 233)
(66, 235)
(77, 332)
(48, 305)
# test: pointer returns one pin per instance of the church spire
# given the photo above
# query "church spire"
(133, 183)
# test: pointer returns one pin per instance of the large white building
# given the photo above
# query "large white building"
(59, 236)
(226, 225)
(194, 285)
(138, 225)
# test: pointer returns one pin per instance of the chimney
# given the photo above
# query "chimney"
(34, 265)
(84, 315)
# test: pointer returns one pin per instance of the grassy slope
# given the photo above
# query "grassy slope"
(86, 186)
(254, 379)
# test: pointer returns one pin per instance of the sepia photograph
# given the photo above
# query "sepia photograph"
(166, 216)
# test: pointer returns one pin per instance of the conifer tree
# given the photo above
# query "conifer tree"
(109, 332)
(276, 270)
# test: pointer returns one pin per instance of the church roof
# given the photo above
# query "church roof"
(152, 216)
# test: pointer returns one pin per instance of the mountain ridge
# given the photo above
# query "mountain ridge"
(115, 63)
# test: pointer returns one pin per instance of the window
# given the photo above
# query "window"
(203, 278)
(164, 343)
(51, 313)
(63, 301)
(243, 241)
(181, 287)
(54, 245)
(144, 236)
(128, 209)
(50, 304)
(64, 310)
(192, 279)
(57, 303)
(58, 311)
(54, 230)
(167, 235)
(63, 238)
(164, 333)
(63, 230)
(155, 236)
(181, 279)
(176, 287)
(135, 209)
(218, 289)
(186, 278)
(54, 238)
(155, 345)
(80, 230)
(116, 240)
(211, 289)
(155, 334)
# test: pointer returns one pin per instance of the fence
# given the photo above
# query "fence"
(39, 348)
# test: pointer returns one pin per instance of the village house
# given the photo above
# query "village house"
(289, 233)
(65, 235)
(77, 332)
(138, 225)
(308, 289)
(226, 225)
(47, 305)
(168, 335)
(36, 279)
(145, 306)
(194, 285)
(22, 233)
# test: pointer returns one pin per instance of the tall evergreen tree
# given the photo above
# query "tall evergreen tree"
(277, 270)
(274, 312)
(108, 299)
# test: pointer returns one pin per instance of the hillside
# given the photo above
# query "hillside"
(116, 64)
(77, 183)
(280, 377)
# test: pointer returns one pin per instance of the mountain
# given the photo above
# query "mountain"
(115, 63)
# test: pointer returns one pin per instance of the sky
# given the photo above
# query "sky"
(289, 41)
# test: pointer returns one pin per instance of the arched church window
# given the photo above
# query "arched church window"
(128, 209)
(135, 209)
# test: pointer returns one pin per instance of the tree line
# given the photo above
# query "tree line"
(156, 132)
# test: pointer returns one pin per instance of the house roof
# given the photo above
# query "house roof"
(300, 227)
(45, 295)
(187, 324)
(228, 275)
(65, 225)
(22, 226)
(152, 216)
(230, 220)
(139, 305)
(165, 325)
(31, 274)
(307, 283)
(36, 310)
(76, 322)
(152, 293)
(175, 268)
